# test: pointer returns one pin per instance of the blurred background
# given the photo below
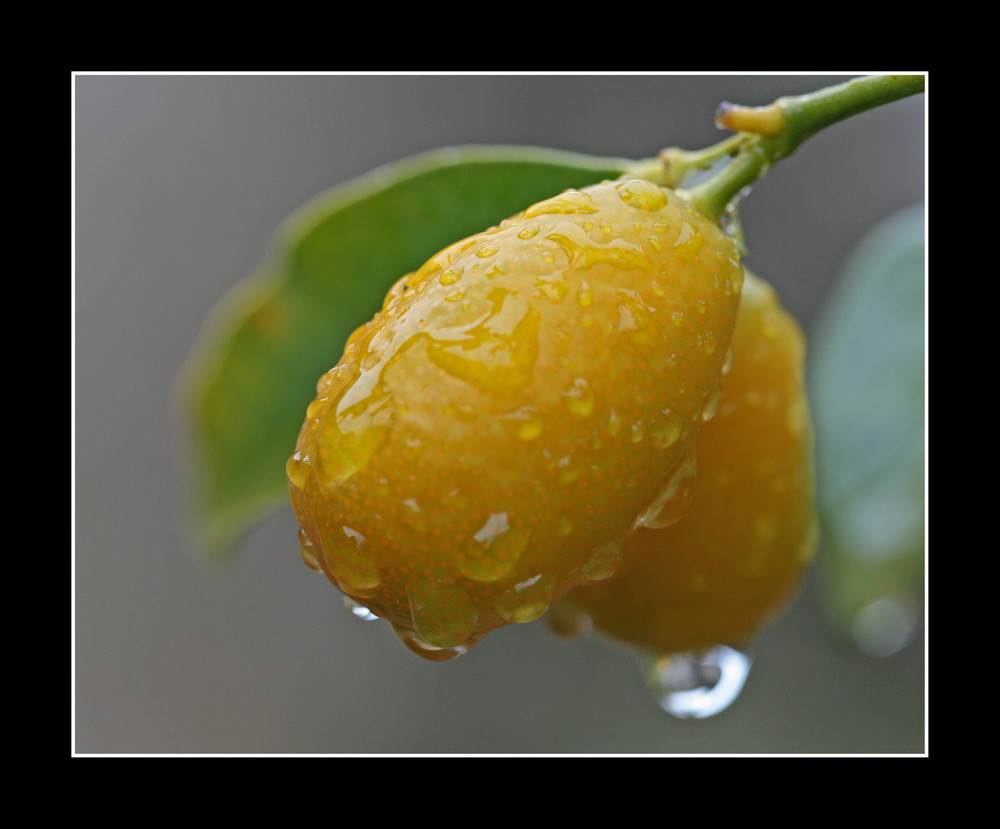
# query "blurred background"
(180, 181)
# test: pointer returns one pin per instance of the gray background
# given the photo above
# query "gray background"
(180, 181)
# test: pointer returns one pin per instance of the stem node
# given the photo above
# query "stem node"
(765, 135)
(769, 120)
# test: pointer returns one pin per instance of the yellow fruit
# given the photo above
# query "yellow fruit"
(736, 557)
(489, 439)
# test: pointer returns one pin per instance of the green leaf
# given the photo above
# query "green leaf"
(250, 376)
(867, 390)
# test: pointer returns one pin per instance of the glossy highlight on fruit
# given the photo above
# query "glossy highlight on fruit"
(735, 558)
(519, 404)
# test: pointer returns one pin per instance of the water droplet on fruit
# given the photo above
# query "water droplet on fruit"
(711, 407)
(633, 311)
(584, 252)
(451, 274)
(614, 423)
(707, 341)
(674, 498)
(580, 398)
(494, 550)
(529, 232)
(554, 286)
(499, 353)
(727, 363)
(604, 560)
(637, 432)
(412, 515)
(696, 684)
(350, 562)
(313, 409)
(297, 468)
(527, 600)
(352, 434)
(569, 202)
(308, 552)
(526, 422)
(666, 429)
(689, 243)
(643, 195)
(568, 470)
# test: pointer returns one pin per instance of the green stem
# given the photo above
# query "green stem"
(677, 164)
(768, 134)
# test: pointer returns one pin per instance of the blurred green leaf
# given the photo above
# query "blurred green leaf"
(246, 385)
(867, 389)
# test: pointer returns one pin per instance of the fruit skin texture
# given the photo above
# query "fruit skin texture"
(736, 557)
(489, 439)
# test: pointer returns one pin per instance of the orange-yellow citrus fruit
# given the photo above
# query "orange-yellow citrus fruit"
(736, 557)
(489, 439)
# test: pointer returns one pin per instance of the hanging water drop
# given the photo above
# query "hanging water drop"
(696, 684)
(415, 643)
(359, 610)
(568, 621)
(731, 224)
